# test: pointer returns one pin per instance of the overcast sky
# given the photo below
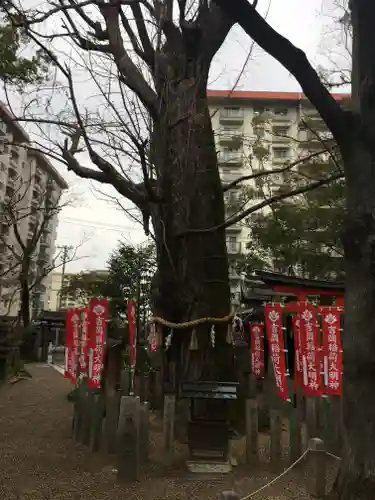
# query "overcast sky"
(97, 224)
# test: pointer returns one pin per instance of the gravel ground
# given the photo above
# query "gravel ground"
(40, 461)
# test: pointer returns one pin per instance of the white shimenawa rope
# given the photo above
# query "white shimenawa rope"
(332, 455)
(285, 472)
(278, 477)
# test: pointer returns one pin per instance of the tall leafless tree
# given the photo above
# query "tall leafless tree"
(149, 61)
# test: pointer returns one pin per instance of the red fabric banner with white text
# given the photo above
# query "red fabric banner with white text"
(274, 328)
(132, 343)
(72, 324)
(332, 350)
(297, 350)
(83, 358)
(311, 376)
(97, 329)
(257, 349)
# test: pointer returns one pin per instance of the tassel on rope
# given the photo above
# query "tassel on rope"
(193, 346)
(213, 336)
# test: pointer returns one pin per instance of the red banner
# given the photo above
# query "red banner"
(274, 328)
(332, 350)
(153, 338)
(97, 327)
(257, 349)
(297, 350)
(311, 379)
(132, 343)
(83, 358)
(71, 343)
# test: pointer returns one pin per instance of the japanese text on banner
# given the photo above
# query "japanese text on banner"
(153, 338)
(97, 316)
(257, 349)
(311, 377)
(274, 328)
(83, 358)
(332, 350)
(132, 343)
(297, 350)
(72, 323)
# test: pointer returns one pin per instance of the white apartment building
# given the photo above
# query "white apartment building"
(259, 130)
(28, 184)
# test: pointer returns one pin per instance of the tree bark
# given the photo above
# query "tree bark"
(192, 268)
(356, 479)
(25, 294)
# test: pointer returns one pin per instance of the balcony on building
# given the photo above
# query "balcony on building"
(231, 137)
(230, 158)
(45, 240)
(280, 135)
(231, 115)
(280, 155)
(228, 176)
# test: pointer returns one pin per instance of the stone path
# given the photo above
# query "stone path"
(40, 461)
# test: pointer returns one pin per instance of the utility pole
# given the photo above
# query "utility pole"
(65, 256)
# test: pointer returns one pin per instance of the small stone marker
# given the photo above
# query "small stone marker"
(144, 431)
(251, 409)
(229, 495)
(128, 439)
(111, 421)
(87, 417)
(78, 412)
(97, 422)
(168, 423)
(275, 421)
(317, 474)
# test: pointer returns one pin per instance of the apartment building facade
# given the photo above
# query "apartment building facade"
(259, 131)
(30, 188)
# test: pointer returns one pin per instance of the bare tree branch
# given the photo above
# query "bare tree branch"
(273, 199)
(294, 60)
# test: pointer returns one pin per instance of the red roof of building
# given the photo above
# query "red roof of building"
(264, 95)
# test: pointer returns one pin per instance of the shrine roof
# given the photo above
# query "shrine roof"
(293, 282)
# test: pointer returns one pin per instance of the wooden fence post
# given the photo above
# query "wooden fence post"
(295, 428)
(252, 444)
(79, 406)
(111, 421)
(97, 422)
(128, 438)
(168, 422)
(317, 475)
(275, 449)
(87, 417)
(144, 431)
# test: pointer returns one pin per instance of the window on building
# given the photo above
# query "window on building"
(232, 112)
(280, 153)
(280, 111)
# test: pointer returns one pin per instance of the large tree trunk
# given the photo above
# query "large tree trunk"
(356, 480)
(192, 266)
